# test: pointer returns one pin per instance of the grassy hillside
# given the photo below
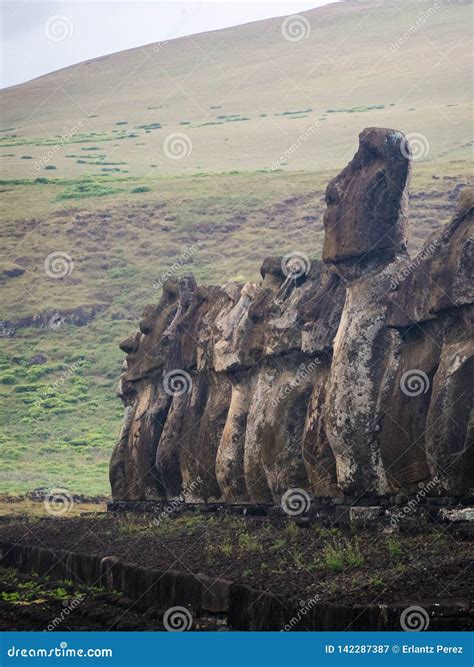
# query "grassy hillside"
(120, 231)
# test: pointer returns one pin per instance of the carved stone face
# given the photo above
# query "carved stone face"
(366, 202)
(143, 350)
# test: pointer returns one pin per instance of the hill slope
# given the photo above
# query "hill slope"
(242, 97)
(245, 95)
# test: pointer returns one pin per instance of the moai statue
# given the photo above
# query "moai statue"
(366, 242)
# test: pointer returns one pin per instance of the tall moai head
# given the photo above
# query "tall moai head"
(367, 201)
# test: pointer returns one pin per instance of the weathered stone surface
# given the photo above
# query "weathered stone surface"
(367, 201)
(230, 454)
(351, 376)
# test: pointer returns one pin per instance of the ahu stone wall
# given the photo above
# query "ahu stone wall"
(346, 376)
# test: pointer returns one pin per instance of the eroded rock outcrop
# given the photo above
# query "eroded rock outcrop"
(351, 375)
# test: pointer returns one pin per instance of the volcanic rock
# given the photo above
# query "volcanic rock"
(351, 376)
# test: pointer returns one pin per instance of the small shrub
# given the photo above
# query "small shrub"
(279, 543)
(292, 113)
(121, 272)
(149, 126)
(298, 558)
(14, 596)
(142, 188)
(291, 530)
(336, 555)
(393, 547)
(353, 556)
(376, 581)
(50, 167)
(326, 532)
(60, 593)
(248, 543)
(333, 558)
(226, 548)
(466, 200)
(7, 378)
(26, 157)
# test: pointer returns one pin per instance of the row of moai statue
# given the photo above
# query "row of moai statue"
(347, 376)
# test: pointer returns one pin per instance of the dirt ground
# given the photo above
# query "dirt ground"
(362, 566)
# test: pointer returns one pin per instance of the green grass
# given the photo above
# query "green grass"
(333, 558)
(247, 543)
(84, 188)
(376, 581)
(80, 138)
(359, 109)
(294, 113)
(339, 555)
(150, 126)
(393, 547)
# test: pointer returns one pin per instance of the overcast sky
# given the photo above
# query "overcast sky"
(40, 37)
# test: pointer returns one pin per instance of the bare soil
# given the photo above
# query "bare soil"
(348, 566)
